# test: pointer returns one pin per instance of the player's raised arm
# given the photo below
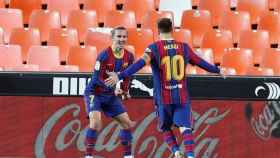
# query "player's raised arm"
(196, 60)
(132, 69)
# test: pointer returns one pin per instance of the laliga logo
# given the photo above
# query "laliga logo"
(273, 88)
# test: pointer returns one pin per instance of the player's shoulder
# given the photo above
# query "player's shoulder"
(129, 53)
(103, 55)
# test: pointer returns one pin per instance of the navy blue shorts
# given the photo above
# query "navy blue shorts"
(174, 114)
(109, 104)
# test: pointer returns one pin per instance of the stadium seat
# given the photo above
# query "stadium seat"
(260, 71)
(183, 35)
(9, 19)
(47, 57)
(140, 8)
(207, 55)
(10, 56)
(23, 67)
(229, 71)
(236, 22)
(98, 39)
(44, 20)
(145, 70)
(272, 60)
(191, 69)
(2, 3)
(26, 6)
(101, 7)
(131, 49)
(120, 18)
(272, 4)
(83, 56)
(151, 18)
(25, 37)
(271, 22)
(255, 8)
(66, 68)
(1, 36)
(140, 39)
(82, 20)
(195, 3)
(64, 7)
(199, 22)
(258, 41)
(218, 41)
(64, 39)
(217, 9)
(238, 58)
(157, 2)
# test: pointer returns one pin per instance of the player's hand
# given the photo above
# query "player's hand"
(112, 80)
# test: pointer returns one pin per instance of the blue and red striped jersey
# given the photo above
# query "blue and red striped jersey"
(107, 61)
(169, 59)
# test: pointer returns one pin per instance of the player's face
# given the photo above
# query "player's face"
(119, 39)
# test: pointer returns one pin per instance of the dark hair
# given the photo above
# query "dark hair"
(117, 28)
(164, 25)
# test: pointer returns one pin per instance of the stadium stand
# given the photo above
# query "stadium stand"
(183, 35)
(272, 60)
(10, 56)
(120, 18)
(98, 39)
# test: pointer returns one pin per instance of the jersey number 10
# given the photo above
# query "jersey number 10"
(174, 66)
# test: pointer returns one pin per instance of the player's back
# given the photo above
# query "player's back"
(169, 59)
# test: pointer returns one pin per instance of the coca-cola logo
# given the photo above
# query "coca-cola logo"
(203, 121)
(266, 123)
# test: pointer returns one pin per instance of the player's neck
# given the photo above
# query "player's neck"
(117, 52)
(165, 36)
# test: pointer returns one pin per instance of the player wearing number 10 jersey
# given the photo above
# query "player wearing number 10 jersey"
(168, 59)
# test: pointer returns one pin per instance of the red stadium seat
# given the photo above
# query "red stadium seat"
(64, 7)
(255, 8)
(218, 41)
(271, 22)
(44, 20)
(101, 7)
(1, 36)
(258, 41)
(47, 57)
(98, 39)
(145, 70)
(199, 22)
(23, 67)
(2, 3)
(229, 71)
(236, 22)
(217, 9)
(64, 39)
(272, 4)
(183, 35)
(140, 39)
(151, 18)
(82, 20)
(191, 69)
(260, 71)
(66, 68)
(120, 18)
(27, 6)
(238, 58)
(83, 56)
(140, 8)
(25, 37)
(195, 2)
(207, 55)
(9, 19)
(272, 60)
(10, 56)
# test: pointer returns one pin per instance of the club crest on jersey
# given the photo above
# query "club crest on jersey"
(97, 65)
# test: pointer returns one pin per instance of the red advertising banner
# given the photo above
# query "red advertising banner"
(53, 127)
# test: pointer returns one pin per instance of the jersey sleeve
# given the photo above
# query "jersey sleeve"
(126, 81)
(196, 60)
(98, 70)
(139, 64)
